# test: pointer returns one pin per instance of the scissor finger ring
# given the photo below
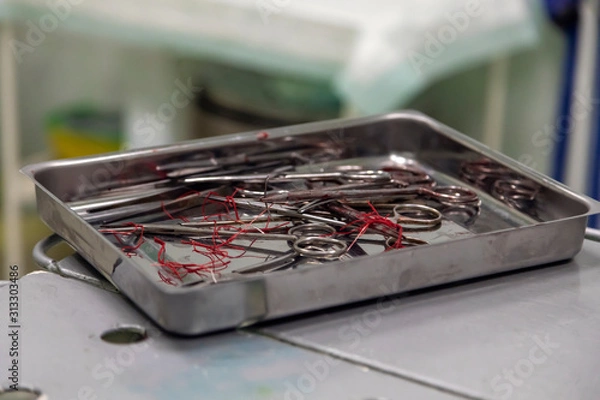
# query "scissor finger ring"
(319, 247)
(416, 214)
(313, 229)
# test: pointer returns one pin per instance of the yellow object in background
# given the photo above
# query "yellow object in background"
(83, 132)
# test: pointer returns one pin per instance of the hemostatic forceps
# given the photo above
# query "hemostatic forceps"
(412, 217)
(366, 175)
(447, 195)
(209, 163)
(502, 182)
(311, 240)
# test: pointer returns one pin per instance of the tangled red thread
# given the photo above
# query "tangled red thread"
(180, 270)
(128, 249)
(229, 204)
(372, 220)
(218, 251)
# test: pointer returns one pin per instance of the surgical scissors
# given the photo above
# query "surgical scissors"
(516, 189)
(208, 162)
(312, 241)
(309, 240)
(112, 211)
(482, 170)
(501, 182)
(344, 210)
(277, 209)
(447, 195)
(426, 216)
(412, 217)
(366, 175)
(219, 222)
(190, 231)
(404, 176)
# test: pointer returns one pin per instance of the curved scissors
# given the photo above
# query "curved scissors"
(428, 218)
(516, 189)
(483, 173)
(501, 182)
(405, 176)
(464, 214)
(447, 195)
(412, 217)
(306, 240)
(366, 175)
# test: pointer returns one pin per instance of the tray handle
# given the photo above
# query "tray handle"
(592, 234)
(49, 264)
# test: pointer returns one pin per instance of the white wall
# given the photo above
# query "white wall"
(534, 85)
(66, 70)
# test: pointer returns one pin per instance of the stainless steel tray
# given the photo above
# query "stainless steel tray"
(502, 237)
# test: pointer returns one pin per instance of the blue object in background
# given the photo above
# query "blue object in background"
(562, 130)
(564, 14)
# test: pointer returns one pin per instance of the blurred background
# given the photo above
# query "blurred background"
(79, 77)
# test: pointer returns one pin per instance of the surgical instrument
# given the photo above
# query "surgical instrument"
(208, 223)
(447, 195)
(309, 242)
(108, 214)
(366, 175)
(407, 215)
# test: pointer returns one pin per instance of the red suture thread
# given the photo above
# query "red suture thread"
(218, 250)
(180, 270)
(174, 265)
(183, 196)
(225, 204)
(168, 214)
(129, 250)
(372, 220)
(219, 243)
(230, 200)
(165, 278)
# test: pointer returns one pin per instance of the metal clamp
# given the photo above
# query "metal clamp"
(50, 265)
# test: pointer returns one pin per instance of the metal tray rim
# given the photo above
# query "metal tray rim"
(166, 292)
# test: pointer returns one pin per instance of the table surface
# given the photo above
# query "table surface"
(526, 335)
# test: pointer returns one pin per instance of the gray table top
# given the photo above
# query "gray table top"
(526, 335)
